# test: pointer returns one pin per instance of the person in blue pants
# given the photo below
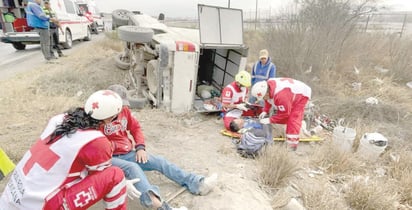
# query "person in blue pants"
(131, 156)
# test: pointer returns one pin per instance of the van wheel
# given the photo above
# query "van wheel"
(68, 40)
(18, 46)
(135, 34)
(89, 35)
(94, 28)
(122, 62)
(120, 17)
(135, 101)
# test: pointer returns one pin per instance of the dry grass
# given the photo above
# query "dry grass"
(368, 194)
(322, 196)
(74, 81)
(293, 51)
(400, 169)
(332, 159)
(276, 166)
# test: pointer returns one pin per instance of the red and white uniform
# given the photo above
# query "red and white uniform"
(116, 131)
(233, 94)
(74, 172)
(289, 97)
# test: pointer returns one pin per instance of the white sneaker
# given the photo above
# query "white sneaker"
(207, 184)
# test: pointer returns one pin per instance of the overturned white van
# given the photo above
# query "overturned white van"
(169, 63)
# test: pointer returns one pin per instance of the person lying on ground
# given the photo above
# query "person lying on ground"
(238, 124)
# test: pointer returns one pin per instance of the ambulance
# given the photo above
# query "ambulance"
(175, 62)
(90, 10)
(16, 31)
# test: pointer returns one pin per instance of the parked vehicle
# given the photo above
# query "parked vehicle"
(16, 31)
(169, 63)
(89, 9)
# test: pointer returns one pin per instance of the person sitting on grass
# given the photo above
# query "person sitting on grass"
(131, 156)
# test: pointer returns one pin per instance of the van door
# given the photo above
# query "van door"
(68, 14)
(221, 43)
(220, 27)
(75, 19)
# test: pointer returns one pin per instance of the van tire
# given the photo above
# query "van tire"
(18, 45)
(120, 17)
(135, 34)
(68, 40)
(122, 62)
(89, 35)
(137, 103)
(94, 28)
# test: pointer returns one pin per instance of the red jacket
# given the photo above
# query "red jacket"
(284, 93)
(116, 132)
(233, 94)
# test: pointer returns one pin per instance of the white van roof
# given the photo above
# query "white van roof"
(147, 21)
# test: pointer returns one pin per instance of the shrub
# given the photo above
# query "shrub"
(276, 165)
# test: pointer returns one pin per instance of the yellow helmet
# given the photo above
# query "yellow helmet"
(244, 78)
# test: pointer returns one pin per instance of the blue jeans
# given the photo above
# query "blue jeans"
(133, 169)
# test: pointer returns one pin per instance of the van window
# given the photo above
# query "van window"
(69, 7)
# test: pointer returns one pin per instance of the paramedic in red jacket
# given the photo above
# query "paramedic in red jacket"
(234, 98)
(69, 167)
(289, 98)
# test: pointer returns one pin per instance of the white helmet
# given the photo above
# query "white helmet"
(259, 90)
(103, 104)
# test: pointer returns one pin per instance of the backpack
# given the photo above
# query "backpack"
(253, 140)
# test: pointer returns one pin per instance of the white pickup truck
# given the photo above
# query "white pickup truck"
(168, 63)
(16, 31)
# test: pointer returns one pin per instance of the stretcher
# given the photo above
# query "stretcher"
(313, 138)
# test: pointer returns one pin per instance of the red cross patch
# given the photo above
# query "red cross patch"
(42, 155)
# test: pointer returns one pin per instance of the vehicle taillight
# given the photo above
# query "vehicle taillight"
(185, 46)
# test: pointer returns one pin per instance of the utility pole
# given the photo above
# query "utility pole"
(228, 3)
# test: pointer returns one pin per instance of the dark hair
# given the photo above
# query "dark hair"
(76, 118)
(233, 126)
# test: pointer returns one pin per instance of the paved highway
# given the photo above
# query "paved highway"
(14, 61)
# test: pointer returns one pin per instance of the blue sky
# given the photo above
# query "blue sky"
(188, 8)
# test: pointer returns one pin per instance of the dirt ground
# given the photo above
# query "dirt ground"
(192, 141)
